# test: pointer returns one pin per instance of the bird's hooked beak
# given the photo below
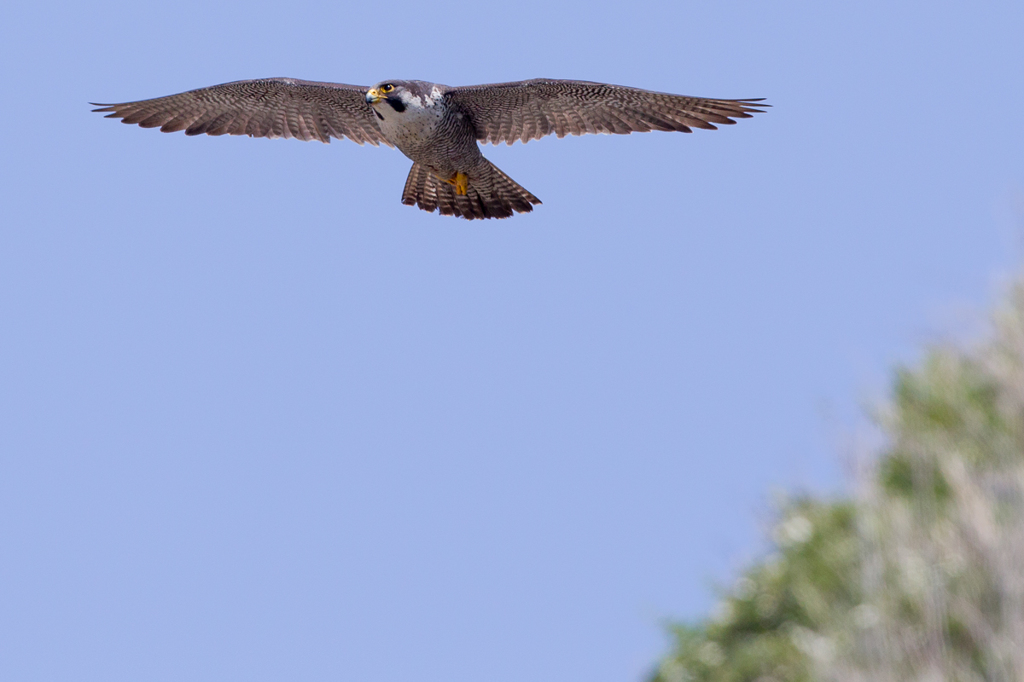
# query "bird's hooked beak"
(373, 96)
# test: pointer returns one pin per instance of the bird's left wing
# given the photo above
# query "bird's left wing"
(528, 110)
(270, 107)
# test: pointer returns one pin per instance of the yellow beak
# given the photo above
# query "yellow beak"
(373, 96)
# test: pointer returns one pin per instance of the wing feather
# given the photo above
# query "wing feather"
(270, 107)
(528, 110)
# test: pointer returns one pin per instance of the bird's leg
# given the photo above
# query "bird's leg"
(461, 182)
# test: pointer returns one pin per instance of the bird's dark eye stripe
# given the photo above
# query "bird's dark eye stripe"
(396, 105)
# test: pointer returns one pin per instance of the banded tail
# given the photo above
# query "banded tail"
(491, 194)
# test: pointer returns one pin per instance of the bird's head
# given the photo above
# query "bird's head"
(395, 97)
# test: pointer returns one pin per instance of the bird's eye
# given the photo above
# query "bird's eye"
(386, 88)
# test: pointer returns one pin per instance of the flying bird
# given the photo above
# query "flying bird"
(435, 125)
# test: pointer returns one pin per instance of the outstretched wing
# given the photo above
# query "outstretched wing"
(270, 107)
(528, 110)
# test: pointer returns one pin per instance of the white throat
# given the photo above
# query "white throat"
(416, 123)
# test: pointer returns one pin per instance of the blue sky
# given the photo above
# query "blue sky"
(260, 421)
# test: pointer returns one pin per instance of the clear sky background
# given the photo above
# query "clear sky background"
(259, 421)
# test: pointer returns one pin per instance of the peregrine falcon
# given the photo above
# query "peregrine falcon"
(436, 126)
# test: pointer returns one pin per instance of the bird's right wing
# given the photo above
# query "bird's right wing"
(270, 107)
(528, 110)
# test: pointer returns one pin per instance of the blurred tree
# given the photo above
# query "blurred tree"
(921, 576)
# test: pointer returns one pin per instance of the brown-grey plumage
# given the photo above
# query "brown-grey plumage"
(529, 110)
(436, 126)
(491, 194)
(269, 107)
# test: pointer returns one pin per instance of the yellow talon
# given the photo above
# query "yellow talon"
(461, 182)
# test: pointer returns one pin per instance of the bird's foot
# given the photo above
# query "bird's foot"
(461, 182)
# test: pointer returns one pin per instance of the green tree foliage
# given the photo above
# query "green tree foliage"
(921, 575)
